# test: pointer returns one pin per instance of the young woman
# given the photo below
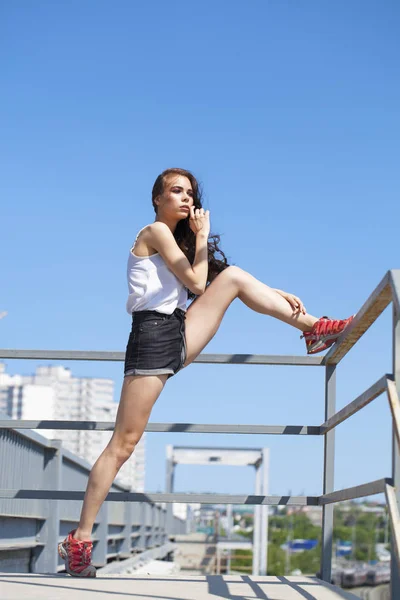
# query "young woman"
(174, 259)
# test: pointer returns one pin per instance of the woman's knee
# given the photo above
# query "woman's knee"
(233, 274)
(123, 446)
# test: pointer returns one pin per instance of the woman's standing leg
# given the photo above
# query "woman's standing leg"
(138, 396)
(205, 314)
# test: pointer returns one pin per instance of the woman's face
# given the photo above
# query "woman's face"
(176, 198)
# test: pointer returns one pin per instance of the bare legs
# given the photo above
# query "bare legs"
(205, 314)
(140, 393)
(138, 396)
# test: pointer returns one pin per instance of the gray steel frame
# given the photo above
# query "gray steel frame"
(387, 291)
(35, 527)
(251, 457)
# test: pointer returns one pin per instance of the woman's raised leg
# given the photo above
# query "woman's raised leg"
(138, 396)
(205, 314)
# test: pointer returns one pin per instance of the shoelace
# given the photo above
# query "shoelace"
(329, 327)
(85, 559)
(324, 326)
(80, 554)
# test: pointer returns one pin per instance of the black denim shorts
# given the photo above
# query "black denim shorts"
(156, 344)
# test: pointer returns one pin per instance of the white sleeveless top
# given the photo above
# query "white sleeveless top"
(152, 285)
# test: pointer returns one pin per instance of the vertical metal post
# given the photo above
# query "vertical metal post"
(229, 530)
(99, 555)
(143, 530)
(163, 526)
(157, 526)
(126, 545)
(395, 575)
(329, 470)
(189, 518)
(149, 525)
(256, 524)
(264, 513)
(229, 521)
(47, 560)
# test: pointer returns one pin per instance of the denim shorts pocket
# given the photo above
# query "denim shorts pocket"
(152, 324)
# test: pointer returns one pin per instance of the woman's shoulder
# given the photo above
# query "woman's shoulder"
(152, 228)
(142, 247)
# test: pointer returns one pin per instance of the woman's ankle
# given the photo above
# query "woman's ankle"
(82, 536)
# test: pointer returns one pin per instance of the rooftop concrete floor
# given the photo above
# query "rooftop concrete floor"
(28, 586)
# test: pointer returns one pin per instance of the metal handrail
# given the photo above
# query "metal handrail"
(166, 427)
(385, 383)
(224, 359)
(358, 491)
(387, 291)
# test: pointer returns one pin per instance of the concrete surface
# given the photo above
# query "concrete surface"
(27, 586)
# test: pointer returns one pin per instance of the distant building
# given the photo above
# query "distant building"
(52, 393)
(314, 513)
(182, 510)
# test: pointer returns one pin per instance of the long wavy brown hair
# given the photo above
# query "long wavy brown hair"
(184, 236)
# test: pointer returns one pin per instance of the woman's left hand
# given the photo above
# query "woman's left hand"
(295, 302)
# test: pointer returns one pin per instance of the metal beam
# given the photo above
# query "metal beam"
(394, 519)
(257, 525)
(260, 359)
(394, 565)
(395, 284)
(369, 312)
(194, 455)
(394, 404)
(329, 474)
(365, 398)
(165, 427)
(229, 359)
(358, 491)
(264, 514)
(160, 497)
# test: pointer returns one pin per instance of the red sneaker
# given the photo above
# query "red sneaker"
(324, 334)
(77, 556)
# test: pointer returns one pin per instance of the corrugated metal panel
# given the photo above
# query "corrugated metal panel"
(28, 461)
(21, 466)
(15, 561)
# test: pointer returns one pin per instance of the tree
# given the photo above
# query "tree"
(276, 560)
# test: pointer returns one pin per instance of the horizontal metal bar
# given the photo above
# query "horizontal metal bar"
(369, 312)
(260, 359)
(160, 497)
(394, 518)
(166, 427)
(19, 543)
(230, 359)
(239, 429)
(358, 491)
(61, 354)
(365, 398)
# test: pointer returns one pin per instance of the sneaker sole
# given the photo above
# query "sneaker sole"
(320, 346)
(64, 555)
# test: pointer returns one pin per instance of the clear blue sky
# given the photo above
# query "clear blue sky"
(288, 113)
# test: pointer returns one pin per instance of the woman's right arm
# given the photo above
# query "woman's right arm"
(159, 236)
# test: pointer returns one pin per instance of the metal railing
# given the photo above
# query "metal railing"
(31, 529)
(386, 292)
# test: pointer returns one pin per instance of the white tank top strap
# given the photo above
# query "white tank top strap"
(138, 233)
